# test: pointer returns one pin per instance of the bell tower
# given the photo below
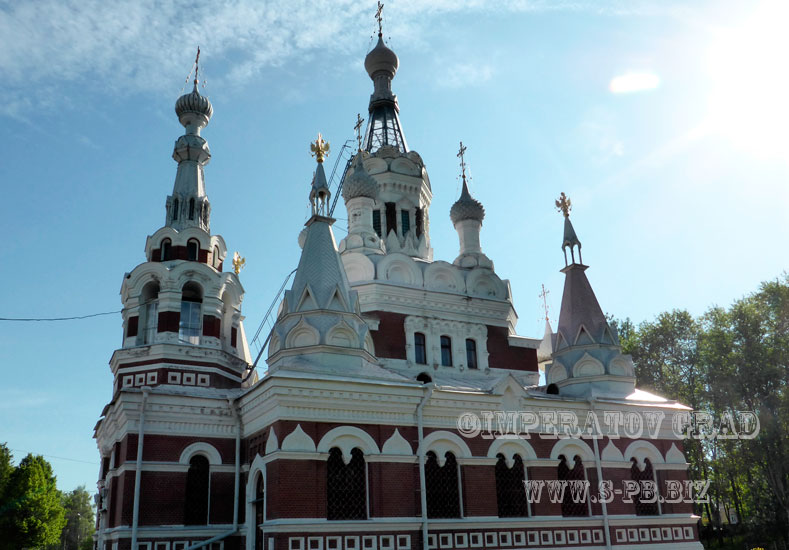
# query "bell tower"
(182, 322)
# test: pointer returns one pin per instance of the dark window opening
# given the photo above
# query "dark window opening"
(552, 389)
(446, 351)
(192, 248)
(424, 378)
(510, 488)
(420, 222)
(165, 251)
(175, 209)
(346, 487)
(391, 217)
(259, 512)
(197, 486)
(420, 350)
(441, 483)
(377, 221)
(405, 221)
(574, 502)
(636, 474)
(471, 353)
(191, 209)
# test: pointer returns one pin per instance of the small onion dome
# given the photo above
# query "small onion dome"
(359, 183)
(380, 59)
(466, 207)
(192, 104)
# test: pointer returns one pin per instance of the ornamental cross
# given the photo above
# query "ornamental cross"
(358, 129)
(461, 155)
(564, 205)
(319, 149)
(379, 16)
(544, 296)
(238, 262)
(197, 59)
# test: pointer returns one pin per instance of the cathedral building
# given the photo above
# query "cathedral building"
(355, 436)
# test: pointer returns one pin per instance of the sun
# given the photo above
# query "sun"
(749, 102)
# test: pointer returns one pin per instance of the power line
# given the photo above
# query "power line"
(53, 456)
(59, 318)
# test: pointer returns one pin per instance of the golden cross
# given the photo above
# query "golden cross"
(564, 205)
(461, 155)
(358, 129)
(320, 149)
(379, 16)
(238, 262)
(544, 296)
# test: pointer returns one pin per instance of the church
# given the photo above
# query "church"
(369, 427)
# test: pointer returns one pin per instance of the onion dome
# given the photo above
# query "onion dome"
(192, 107)
(359, 183)
(466, 207)
(381, 59)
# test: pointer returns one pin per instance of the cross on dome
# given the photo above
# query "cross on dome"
(358, 129)
(379, 17)
(461, 156)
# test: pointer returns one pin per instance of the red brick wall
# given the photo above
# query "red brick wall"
(503, 356)
(389, 339)
(211, 326)
(168, 321)
(479, 490)
(162, 498)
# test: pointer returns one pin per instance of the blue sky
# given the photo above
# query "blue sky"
(677, 170)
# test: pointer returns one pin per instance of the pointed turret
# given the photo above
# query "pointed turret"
(320, 314)
(587, 359)
(188, 206)
(467, 214)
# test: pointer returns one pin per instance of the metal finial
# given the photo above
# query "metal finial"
(461, 155)
(564, 205)
(319, 149)
(358, 129)
(238, 262)
(544, 296)
(379, 17)
(197, 66)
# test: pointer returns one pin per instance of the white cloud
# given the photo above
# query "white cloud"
(634, 82)
(129, 46)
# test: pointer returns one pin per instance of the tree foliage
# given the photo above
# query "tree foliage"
(729, 359)
(31, 513)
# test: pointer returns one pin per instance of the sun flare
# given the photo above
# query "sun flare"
(749, 102)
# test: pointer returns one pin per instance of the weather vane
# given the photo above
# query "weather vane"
(379, 16)
(238, 262)
(358, 129)
(564, 205)
(544, 296)
(461, 156)
(319, 149)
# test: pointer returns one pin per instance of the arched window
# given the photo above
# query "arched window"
(191, 209)
(442, 487)
(192, 248)
(405, 221)
(197, 487)
(424, 378)
(574, 502)
(216, 257)
(175, 209)
(552, 389)
(639, 476)
(346, 486)
(259, 513)
(446, 351)
(165, 250)
(420, 350)
(510, 488)
(471, 353)
(191, 317)
(149, 313)
(377, 222)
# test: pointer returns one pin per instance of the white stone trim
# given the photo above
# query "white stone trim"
(203, 448)
(571, 447)
(346, 438)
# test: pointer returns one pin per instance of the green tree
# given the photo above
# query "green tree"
(6, 468)
(31, 513)
(80, 524)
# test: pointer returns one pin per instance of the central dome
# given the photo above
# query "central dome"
(381, 59)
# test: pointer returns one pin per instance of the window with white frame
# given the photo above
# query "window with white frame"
(191, 314)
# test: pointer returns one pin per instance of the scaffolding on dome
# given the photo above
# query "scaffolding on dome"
(384, 128)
